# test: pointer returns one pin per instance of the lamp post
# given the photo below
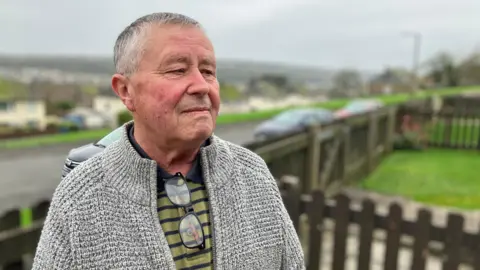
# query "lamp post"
(417, 42)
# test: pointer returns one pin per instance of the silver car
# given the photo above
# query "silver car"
(84, 152)
(292, 121)
(358, 107)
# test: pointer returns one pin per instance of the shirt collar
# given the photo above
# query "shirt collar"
(195, 173)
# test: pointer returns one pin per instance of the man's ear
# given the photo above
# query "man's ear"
(124, 92)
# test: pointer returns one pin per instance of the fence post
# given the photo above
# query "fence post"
(422, 237)
(371, 140)
(8, 221)
(391, 124)
(315, 211)
(392, 243)
(346, 134)
(39, 212)
(453, 241)
(313, 161)
(367, 225)
(341, 217)
(290, 184)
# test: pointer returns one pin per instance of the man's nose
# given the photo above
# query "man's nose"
(199, 85)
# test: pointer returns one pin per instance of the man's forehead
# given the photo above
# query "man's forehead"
(179, 57)
(179, 33)
(180, 44)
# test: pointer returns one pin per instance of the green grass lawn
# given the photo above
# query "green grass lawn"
(222, 119)
(435, 176)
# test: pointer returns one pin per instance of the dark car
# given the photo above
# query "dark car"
(291, 121)
(84, 152)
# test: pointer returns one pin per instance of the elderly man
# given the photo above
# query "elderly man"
(169, 194)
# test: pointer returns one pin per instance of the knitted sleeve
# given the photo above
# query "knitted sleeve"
(292, 257)
(54, 248)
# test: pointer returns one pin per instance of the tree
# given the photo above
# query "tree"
(89, 90)
(391, 79)
(124, 117)
(229, 92)
(10, 89)
(63, 107)
(279, 81)
(443, 70)
(469, 69)
(271, 85)
(347, 83)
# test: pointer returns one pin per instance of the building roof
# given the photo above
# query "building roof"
(391, 76)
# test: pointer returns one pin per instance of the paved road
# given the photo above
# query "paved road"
(29, 175)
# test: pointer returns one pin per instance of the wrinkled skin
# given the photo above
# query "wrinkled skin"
(174, 94)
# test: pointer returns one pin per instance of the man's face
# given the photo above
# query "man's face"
(175, 90)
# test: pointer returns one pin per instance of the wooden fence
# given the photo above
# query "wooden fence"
(17, 241)
(458, 246)
(332, 155)
(448, 128)
(462, 103)
(17, 245)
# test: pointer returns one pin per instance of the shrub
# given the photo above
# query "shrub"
(412, 135)
(52, 126)
(68, 126)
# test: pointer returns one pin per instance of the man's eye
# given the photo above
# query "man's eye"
(178, 71)
(208, 72)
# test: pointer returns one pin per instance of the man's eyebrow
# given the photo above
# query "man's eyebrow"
(207, 61)
(172, 59)
(183, 59)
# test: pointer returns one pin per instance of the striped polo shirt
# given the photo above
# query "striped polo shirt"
(170, 215)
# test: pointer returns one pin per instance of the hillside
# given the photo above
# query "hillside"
(234, 71)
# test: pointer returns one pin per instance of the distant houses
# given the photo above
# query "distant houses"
(391, 81)
(96, 104)
(23, 113)
(110, 107)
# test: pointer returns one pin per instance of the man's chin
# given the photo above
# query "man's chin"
(199, 132)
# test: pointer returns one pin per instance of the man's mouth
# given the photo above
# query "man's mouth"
(197, 109)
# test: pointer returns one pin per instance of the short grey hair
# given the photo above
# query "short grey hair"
(129, 45)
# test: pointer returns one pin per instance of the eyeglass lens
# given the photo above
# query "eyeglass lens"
(177, 191)
(191, 231)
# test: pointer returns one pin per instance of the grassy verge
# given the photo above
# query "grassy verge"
(53, 139)
(222, 119)
(436, 177)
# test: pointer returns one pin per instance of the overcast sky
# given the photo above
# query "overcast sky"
(363, 34)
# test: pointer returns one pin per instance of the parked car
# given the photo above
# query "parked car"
(291, 121)
(357, 107)
(84, 152)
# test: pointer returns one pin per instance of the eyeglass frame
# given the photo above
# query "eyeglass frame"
(187, 208)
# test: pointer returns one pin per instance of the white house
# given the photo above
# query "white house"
(23, 113)
(89, 117)
(110, 107)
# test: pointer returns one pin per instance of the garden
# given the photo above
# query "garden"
(435, 161)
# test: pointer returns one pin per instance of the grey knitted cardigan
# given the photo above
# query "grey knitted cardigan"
(103, 215)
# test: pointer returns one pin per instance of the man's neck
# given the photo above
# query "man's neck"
(169, 157)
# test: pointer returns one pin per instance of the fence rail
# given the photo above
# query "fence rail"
(19, 241)
(329, 156)
(458, 129)
(459, 246)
